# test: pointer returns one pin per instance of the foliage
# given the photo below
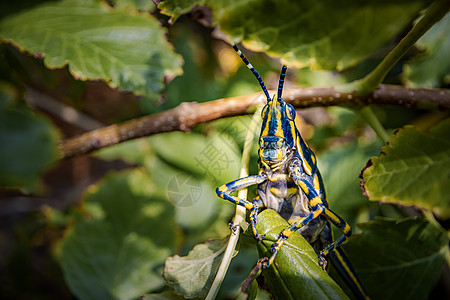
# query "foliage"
(328, 27)
(108, 223)
(78, 34)
(27, 136)
(412, 169)
(434, 46)
(106, 255)
(388, 256)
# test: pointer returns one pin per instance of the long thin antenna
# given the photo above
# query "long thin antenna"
(249, 65)
(281, 82)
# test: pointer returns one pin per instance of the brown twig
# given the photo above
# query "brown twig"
(189, 114)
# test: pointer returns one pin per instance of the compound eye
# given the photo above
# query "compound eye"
(264, 111)
(290, 112)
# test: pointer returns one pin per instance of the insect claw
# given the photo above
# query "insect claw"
(234, 227)
(264, 262)
(260, 237)
(323, 262)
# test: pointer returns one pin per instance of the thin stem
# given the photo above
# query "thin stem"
(367, 114)
(436, 12)
(239, 217)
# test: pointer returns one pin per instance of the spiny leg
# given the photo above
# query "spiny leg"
(343, 226)
(317, 208)
(333, 250)
(286, 233)
(254, 216)
(225, 190)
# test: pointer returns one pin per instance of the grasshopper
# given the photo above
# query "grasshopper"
(290, 183)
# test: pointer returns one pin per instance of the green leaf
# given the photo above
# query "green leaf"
(340, 168)
(321, 34)
(413, 169)
(117, 250)
(215, 156)
(135, 4)
(176, 8)
(127, 50)
(191, 276)
(28, 143)
(169, 295)
(432, 68)
(196, 203)
(295, 273)
(398, 259)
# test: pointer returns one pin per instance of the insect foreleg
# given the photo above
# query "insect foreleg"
(257, 203)
(225, 190)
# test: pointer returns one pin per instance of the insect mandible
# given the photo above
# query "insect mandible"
(290, 183)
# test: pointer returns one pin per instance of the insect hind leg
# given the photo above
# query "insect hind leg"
(286, 233)
(343, 226)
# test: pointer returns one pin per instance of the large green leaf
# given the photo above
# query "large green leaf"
(127, 50)
(432, 69)
(187, 185)
(216, 156)
(118, 249)
(340, 168)
(398, 259)
(191, 276)
(321, 34)
(295, 273)
(28, 143)
(413, 169)
(169, 295)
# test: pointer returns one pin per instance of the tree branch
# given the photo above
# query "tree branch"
(435, 12)
(189, 114)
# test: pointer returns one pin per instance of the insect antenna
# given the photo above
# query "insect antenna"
(281, 82)
(249, 65)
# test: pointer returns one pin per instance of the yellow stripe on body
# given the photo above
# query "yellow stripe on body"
(304, 187)
(316, 183)
(279, 130)
(292, 190)
(349, 272)
(293, 131)
(274, 190)
(306, 167)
